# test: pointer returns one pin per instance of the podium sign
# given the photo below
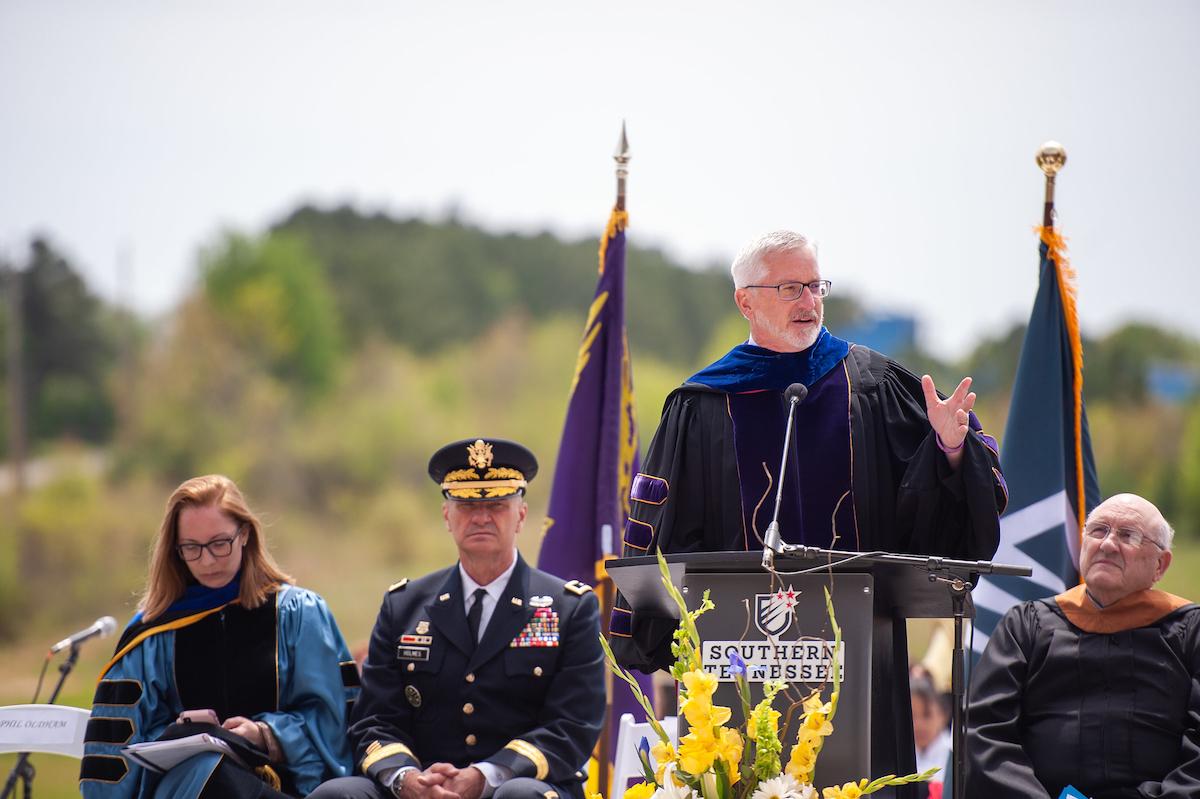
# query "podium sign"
(781, 630)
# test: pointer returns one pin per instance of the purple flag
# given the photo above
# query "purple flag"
(598, 455)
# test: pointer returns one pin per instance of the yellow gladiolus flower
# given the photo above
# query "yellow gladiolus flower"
(700, 683)
(639, 791)
(697, 751)
(729, 749)
(802, 760)
(701, 713)
(663, 754)
(807, 736)
(851, 790)
(818, 723)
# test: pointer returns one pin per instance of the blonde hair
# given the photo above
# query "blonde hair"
(169, 574)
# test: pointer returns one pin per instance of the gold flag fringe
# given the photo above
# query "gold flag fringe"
(616, 223)
(268, 775)
(1057, 245)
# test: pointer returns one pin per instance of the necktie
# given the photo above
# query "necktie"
(475, 614)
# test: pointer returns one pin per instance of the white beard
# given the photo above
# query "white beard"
(800, 339)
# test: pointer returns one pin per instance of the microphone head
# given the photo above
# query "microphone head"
(108, 626)
(796, 392)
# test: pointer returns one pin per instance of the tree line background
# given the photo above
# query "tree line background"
(320, 363)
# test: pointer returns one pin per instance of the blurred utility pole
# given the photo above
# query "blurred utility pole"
(14, 327)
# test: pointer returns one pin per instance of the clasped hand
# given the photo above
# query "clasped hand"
(443, 781)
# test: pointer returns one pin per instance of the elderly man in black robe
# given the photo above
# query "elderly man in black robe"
(1096, 687)
(880, 462)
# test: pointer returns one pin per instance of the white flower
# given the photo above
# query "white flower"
(785, 786)
(673, 791)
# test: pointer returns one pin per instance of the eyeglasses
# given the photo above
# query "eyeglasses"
(219, 547)
(1124, 535)
(792, 291)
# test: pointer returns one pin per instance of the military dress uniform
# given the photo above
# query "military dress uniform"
(529, 696)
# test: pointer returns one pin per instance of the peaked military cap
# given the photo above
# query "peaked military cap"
(482, 469)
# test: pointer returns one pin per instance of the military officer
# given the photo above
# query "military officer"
(487, 678)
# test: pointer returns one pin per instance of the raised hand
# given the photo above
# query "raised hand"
(949, 417)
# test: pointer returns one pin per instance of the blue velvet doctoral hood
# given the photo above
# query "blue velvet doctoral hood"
(197, 597)
(748, 367)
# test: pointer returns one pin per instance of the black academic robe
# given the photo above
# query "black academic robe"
(530, 696)
(904, 498)
(1117, 715)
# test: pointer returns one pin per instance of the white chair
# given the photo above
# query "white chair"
(625, 759)
(53, 729)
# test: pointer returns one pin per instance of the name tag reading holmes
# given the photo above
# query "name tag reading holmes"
(807, 660)
(412, 652)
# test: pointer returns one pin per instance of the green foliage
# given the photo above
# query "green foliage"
(70, 348)
(1115, 366)
(429, 287)
(59, 534)
(272, 298)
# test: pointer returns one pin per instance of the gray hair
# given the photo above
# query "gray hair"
(1165, 534)
(749, 264)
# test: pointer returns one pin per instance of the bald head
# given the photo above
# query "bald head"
(1157, 527)
(1111, 563)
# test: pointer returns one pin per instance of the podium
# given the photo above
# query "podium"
(778, 623)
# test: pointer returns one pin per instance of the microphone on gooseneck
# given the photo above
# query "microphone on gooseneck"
(102, 627)
(773, 541)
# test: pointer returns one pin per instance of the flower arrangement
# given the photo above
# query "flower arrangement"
(716, 762)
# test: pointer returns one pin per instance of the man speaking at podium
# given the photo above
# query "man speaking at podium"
(879, 463)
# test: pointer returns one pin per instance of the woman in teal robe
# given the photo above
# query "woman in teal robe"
(221, 628)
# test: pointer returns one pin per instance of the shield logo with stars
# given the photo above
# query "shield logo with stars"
(773, 612)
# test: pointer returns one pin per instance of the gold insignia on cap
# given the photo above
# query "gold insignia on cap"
(479, 454)
(422, 627)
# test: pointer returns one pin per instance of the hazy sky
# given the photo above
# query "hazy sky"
(900, 135)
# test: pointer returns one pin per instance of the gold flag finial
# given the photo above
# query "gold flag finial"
(1051, 157)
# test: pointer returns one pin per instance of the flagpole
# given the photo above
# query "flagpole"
(1051, 157)
(607, 590)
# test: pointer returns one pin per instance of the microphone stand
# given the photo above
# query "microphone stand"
(773, 541)
(23, 770)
